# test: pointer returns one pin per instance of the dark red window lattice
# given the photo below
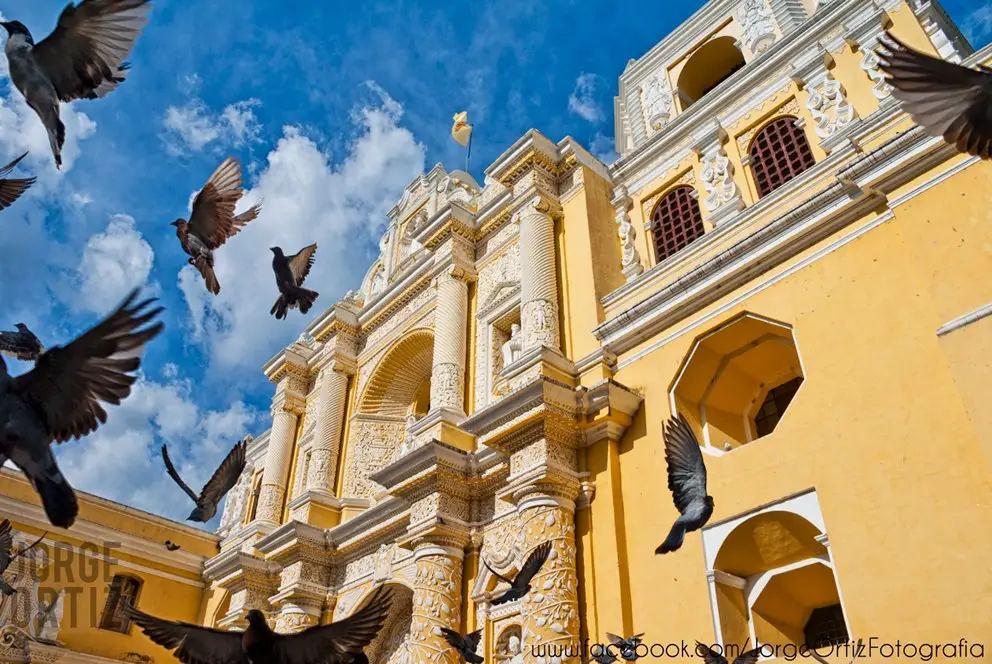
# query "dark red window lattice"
(779, 153)
(676, 222)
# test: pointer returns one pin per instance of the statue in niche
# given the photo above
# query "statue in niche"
(513, 346)
(50, 618)
(512, 653)
(378, 282)
(407, 445)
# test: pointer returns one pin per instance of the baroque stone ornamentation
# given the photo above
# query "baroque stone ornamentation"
(718, 180)
(829, 108)
(870, 65)
(759, 27)
(657, 100)
(631, 258)
(236, 503)
(540, 318)
(436, 604)
(373, 444)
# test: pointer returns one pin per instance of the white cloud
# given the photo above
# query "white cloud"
(341, 207)
(122, 459)
(977, 26)
(602, 147)
(582, 101)
(194, 127)
(113, 263)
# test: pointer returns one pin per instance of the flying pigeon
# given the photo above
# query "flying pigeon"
(11, 190)
(686, 481)
(60, 399)
(520, 585)
(213, 221)
(6, 542)
(627, 647)
(258, 644)
(946, 99)
(82, 59)
(223, 480)
(290, 273)
(711, 656)
(22, 344)
(465, 645)
(171, 546)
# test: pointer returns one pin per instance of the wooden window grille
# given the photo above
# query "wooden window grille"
(123, 592)
(779, 153)
(676, 222)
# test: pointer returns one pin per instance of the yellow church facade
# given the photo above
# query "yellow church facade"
(778, 254)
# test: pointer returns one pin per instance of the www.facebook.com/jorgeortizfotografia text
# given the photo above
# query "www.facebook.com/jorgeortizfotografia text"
(868, 648)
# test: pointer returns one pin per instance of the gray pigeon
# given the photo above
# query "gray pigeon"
(11, 189)
(465, 645)
(686, 481)
(212, 221)
(6, 543)
(223, 480)
(520, 584)
(946, 99)
(626, 647)
(290, 273)
(60, 399)
(22, 344)
(82, 59)
(711, 656)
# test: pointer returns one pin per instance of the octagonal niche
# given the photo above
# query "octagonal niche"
(738, 381)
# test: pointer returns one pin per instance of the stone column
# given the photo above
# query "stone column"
(450, 330)
(550, 610)
(437, 602)
(286, 409)
(538, 276)
(327, 434)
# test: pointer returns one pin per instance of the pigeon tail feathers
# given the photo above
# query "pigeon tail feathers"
(58, 498)
(674, 540)
(306, 299)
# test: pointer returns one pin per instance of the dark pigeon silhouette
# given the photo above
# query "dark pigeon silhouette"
(520, 585)
(600, 655)
(258, 644)
(290, 273)
(83, 58)
(946, 99)
(6, 543)
(711, 656)
(626, 647)
(465, 645)
(171, 546)
(22, 344)
(355, 658)
(60, 399)
(213, 221)
(223, 480)
(686, 481)
(11, 189)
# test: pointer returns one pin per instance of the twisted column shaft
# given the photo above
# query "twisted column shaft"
(450, 325)
(327, 434)
(538, 277)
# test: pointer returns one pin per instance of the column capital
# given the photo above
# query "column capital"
(338, 362)
(537, 203)
(455, 272)
(289, 402)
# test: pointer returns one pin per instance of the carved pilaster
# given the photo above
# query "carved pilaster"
(450, 325)
(631, 258)
(287, 407)
(723, 196)
(826, 98)
(436, 604)
(538, 274)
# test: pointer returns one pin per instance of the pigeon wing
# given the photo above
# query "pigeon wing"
(614, 639)
(317, 644)
(533, 564)
(84, 56)
(174, 474)
(686, 470)
(749, 657)
(497, 574)
(453, 638)
(6, 541)
(11, 190)
(213, 219)
(68, 383)
(14, 344)
(226, 476)
(191, 644)
(946, 99)
(472, 640)
(709, 655)
(301, 263)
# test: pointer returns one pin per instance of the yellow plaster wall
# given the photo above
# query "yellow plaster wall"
(879, 428)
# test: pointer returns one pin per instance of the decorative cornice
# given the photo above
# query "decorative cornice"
(289, 362)
(531, 151)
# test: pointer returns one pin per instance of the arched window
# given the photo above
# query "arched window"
(676, 222)
(779, 153)
(123, 592)
(712, 64)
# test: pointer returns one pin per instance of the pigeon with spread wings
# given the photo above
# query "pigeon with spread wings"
(213, 221)
(21, 345)
(946, 99)
(6, 542)
(223, 480)
(626, 647)
(258, 644)
(83, 58)
(60, 399)
(465, 645)
(686, 481)
(711, 656)
(12, 188)
(290, 273)
(520, 585)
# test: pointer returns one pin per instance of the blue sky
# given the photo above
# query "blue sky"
(333, 107)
